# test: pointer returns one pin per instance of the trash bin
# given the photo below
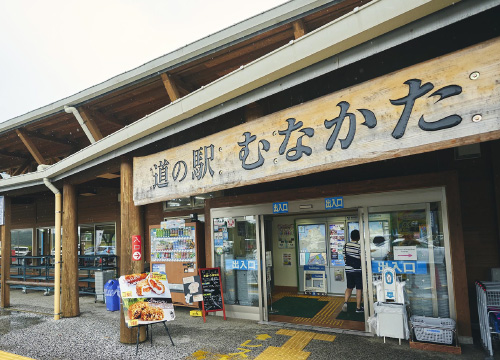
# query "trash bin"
(112, 295)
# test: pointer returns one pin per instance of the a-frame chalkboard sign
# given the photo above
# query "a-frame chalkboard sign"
(211, 285)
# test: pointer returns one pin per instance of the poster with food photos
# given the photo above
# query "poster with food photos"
(146, 298)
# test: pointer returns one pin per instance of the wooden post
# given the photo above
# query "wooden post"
(132, 223)
(70, 305)
(495, 152)
(5, 238)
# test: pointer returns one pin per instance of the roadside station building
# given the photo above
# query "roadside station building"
(281, 134)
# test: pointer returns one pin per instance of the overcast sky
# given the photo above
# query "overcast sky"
(52, 49)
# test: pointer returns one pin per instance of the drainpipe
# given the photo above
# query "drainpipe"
(71, 109)
(57, 272)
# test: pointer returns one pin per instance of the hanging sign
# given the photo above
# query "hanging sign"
(437, 104)
(2, 211)
(136, 247)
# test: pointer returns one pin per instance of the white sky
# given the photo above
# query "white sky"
(52, 49)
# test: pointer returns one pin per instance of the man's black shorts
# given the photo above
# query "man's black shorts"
(354, 280)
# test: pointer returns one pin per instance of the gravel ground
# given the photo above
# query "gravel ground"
(28, 329)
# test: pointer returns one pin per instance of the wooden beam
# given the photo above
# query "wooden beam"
(91, 124)
(99, 116)
(171, 87)
(30, 146)
(299, 28)
(38, 135)
(21, 169)
(253, 111)
(11, 154)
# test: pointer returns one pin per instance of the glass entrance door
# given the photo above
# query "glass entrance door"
(410, 239)
(236, 253)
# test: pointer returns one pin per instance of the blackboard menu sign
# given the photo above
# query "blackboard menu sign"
(213, 297)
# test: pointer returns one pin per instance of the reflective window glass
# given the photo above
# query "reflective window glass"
(411, 241)
(236, 254)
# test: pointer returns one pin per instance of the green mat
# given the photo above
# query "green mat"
(297, 306)
(351, 313)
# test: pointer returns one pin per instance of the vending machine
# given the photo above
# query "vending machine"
(178, 250)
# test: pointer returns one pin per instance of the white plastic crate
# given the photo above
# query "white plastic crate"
(436, 330)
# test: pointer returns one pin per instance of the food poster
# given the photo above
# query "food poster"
(192, 289)
(337, 242)
(146, 298)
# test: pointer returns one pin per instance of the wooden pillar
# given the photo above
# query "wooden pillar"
(495, 153)
(208, 234)
(131, 220)
(46, 243)
(34, 249)
(5, 262)
(457, 250)
(70, 305)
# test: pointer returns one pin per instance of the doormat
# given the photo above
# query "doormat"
(351, 313)
(298, 307)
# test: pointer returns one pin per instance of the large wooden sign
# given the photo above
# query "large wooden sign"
(449, 101)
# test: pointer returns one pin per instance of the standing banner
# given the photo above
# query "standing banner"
(211, 286)
(146, 299)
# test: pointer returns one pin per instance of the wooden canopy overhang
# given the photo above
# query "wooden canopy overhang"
(145, 106)
(48, 135)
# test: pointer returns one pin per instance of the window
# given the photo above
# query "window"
(98, 239)
(421, 263)
(236, 255)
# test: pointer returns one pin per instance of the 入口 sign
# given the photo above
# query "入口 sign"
(426, 107)
(136, 247)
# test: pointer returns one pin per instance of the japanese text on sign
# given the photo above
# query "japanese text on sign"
(280, 208)
(401, 267)
(334, 203)
(407, 112)
(136, 247)
(241, 264)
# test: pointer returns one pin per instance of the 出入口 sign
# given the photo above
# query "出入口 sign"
(441, 103)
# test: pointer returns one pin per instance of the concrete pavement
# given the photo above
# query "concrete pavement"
(28, 329)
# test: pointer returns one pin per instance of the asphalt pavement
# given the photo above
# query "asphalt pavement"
(27, 328)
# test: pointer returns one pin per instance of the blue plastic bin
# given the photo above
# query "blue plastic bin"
(112, 295)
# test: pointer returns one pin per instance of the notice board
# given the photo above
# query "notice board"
(213, 297)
